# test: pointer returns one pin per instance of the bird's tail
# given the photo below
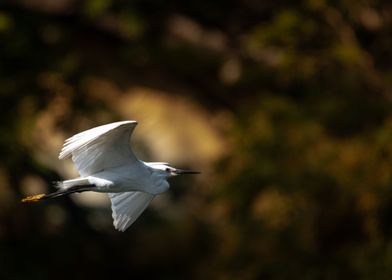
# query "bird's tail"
(60, 192)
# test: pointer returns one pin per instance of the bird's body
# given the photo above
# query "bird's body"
(107, 164)
(136, 177)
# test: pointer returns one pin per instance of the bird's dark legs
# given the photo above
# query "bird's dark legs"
(58, 193)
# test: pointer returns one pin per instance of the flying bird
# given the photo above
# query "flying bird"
(106, 164)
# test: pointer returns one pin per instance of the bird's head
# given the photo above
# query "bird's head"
(168, 171)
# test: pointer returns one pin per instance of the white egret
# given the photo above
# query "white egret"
(106, 163)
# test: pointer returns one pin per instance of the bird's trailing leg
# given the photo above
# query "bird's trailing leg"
(58, 193)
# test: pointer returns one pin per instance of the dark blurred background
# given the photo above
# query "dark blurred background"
(285, 106)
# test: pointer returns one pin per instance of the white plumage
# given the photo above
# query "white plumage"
(106, 163)
(127, 207)
(90, 149)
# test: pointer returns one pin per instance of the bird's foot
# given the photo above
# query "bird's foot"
(33, 198)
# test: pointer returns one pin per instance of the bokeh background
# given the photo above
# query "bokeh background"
(285, 107)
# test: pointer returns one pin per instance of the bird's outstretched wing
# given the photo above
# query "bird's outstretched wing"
(101, 147)
(127, 207)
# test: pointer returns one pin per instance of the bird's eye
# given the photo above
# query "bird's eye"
(167, 169)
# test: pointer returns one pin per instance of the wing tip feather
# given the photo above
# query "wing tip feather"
(135, 203)
(83, 138)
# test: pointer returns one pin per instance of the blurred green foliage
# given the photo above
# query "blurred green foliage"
(304, 188)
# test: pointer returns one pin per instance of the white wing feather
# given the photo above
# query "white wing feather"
(127, 207)
(101, 147)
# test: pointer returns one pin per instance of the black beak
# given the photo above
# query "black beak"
(181, 171)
